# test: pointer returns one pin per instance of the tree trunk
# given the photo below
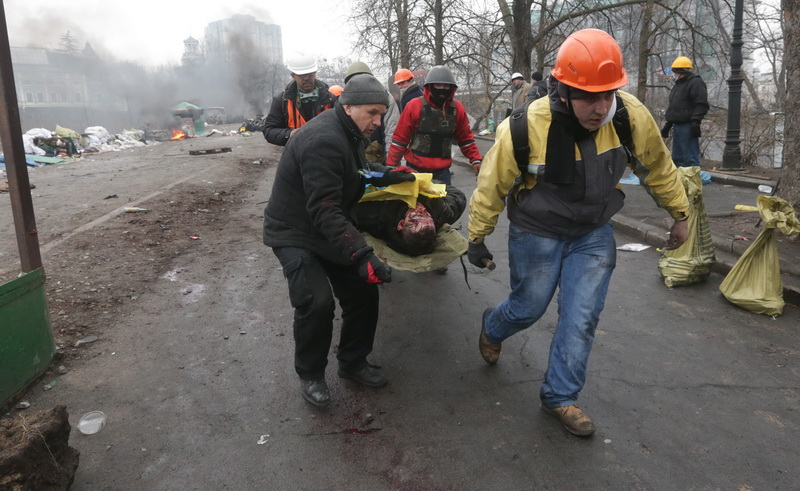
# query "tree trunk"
(438, 33)
(790, 176)
(517, 21)
(403, 35)
(644, 51)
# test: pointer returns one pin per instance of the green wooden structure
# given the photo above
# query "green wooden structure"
(26, 340)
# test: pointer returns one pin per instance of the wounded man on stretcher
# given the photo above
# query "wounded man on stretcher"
(417, 238)
(410, 231)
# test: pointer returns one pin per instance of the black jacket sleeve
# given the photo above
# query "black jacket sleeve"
(324, 170)
(698, 94)
(276, 126)
(448, 209)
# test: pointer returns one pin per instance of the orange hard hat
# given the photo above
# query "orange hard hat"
(336, 90)
(402, 75)
(590, 60)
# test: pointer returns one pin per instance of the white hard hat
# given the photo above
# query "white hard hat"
(516, 75)
(301, 64)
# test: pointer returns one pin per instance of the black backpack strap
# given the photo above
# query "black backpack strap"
(518, 125)
(622, 124)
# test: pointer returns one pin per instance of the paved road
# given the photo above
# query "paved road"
(687, 390)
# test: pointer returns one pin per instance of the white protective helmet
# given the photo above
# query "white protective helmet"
(517, 75)
(301, 64)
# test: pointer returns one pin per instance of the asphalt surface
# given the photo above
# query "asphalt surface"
(687, 390)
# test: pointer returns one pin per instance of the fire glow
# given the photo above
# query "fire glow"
(178, 135)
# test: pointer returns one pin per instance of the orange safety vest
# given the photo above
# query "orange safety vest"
(294, 118)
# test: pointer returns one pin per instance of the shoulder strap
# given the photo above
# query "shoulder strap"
(518, 125)
(622, 124)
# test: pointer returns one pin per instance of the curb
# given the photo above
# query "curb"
(657, 237)
(739, 180)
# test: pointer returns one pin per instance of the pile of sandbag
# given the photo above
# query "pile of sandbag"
(98, 139)
(30, 138)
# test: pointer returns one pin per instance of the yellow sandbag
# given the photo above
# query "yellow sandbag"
(691, 262)
(406, 191)
(754, 282)
(450, 245)
(67, 133)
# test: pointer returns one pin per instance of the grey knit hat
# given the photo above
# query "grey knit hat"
(364, 89)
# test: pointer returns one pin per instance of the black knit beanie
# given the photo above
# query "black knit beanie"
(364, 89)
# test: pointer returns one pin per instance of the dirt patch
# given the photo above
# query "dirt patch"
(102, 273)
(34, 451)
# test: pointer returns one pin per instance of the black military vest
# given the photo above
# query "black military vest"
(435, 132)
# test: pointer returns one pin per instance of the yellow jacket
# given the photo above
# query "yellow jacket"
(499, 172)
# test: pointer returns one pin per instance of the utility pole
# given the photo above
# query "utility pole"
(732, 156)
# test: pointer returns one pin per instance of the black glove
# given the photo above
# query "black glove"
(476, 252)
(391, 177)
(665, 130)
(695, 131)
(370, 268)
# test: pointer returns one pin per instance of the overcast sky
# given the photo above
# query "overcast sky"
(151, 32)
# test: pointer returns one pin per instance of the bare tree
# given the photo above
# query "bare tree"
(387, 33)
(766, 35)
(790, 175)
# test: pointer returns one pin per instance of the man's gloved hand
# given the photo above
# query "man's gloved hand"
(695, 131)
(477, 252)
(392, 177)
(665, 130)
(370, 268)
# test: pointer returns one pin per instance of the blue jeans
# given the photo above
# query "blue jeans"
(581, 269)
(685, 147)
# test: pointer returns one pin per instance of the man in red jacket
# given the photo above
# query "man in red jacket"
(429, 124)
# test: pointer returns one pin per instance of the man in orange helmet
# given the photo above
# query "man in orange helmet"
(560, 200)
(409, 89)
(336, 91)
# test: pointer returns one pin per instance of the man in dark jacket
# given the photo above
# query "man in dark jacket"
(301, 100)
(309, 225)
(539, 87)
(688, 104)
(410, 231)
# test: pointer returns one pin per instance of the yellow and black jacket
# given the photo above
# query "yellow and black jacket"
(568, 211)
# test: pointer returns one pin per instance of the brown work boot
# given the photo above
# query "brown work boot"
(489, 351)
(574, 420)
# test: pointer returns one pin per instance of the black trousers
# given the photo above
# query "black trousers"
(313, 283)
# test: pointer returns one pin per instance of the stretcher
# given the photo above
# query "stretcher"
(450, 245)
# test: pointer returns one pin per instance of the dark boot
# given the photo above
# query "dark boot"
(369, 376)
(315, 392)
